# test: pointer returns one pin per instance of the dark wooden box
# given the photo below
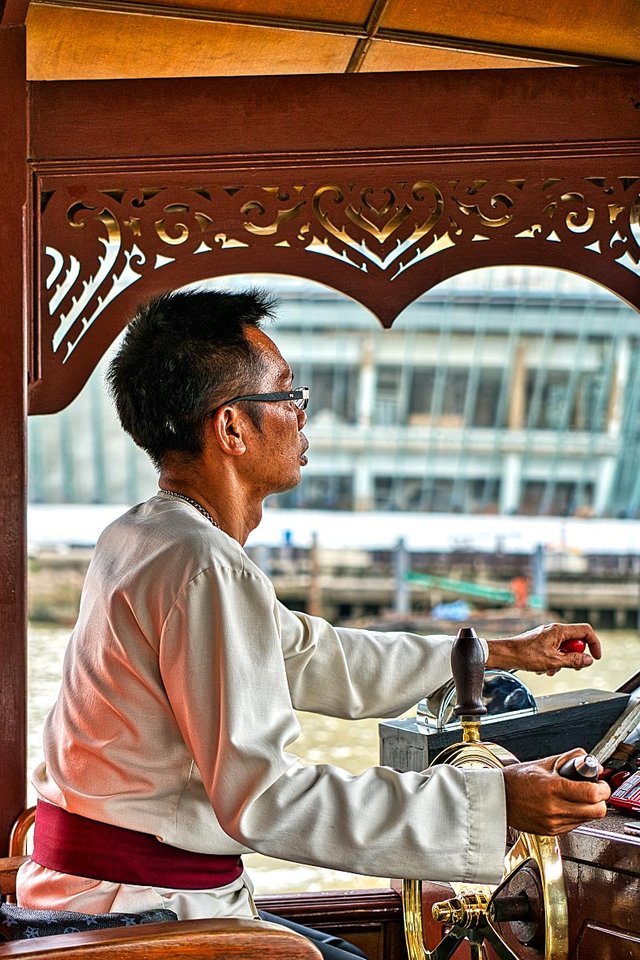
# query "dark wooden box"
(563, 721)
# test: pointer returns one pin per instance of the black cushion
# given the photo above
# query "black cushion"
(17, 923)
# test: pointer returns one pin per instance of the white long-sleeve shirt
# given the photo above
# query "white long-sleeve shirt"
(176, 714)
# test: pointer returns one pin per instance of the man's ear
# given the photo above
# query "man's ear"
(228, 426)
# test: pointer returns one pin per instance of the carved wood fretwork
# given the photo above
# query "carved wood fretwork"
(378, 237)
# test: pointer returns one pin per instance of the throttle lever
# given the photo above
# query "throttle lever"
(467, 666)
(580, 768)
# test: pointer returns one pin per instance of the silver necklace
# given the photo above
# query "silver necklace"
(194, 503)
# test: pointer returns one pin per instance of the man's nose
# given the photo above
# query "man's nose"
(302, 418)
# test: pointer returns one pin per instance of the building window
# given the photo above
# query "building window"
(398, 493)
(333, 393)
(317, 492)
(389, 406)
(436, 494)
(421, 395)
(454, 394)
(484, 412)
(561, 499)
(561, 400)
(438, 396)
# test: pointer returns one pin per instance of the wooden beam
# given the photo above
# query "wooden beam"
(13, 13)
(13, 203)
(535, 140)
(449, 112)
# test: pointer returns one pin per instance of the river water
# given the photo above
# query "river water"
(352, 745)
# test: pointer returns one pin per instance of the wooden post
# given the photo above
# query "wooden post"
(13, 270)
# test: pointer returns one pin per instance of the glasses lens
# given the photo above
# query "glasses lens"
(302, 401)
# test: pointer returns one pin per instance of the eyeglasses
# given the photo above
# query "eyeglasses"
(300, 397)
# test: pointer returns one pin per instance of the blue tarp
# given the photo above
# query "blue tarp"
(457, 611)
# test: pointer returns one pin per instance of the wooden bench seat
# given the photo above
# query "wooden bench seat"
(190, 939)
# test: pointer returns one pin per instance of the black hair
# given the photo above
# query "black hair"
(183, 354)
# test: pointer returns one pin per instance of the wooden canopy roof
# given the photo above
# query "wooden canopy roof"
(101, 39)
(120, 180)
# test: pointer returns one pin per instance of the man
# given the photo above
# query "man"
(166, 752)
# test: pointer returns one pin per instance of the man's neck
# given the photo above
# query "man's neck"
(234, 512)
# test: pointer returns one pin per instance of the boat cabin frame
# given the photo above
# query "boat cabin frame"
(378, 185)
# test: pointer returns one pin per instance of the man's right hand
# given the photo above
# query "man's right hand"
(540, 801)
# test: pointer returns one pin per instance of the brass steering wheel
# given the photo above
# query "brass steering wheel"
(527, 911)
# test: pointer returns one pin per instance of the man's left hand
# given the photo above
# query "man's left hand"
(541, 650)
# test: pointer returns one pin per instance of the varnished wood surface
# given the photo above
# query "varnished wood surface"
(604, 844)
(8, 869)
(15, 263)
(602, 875)
(370, 919)
(494, 128)
(191, 939)
(272, 115)
(353, 905)
(13, 13)
(142, 38)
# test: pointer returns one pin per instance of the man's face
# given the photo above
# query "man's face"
(278, 447)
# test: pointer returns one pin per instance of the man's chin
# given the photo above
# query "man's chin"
(285, 486)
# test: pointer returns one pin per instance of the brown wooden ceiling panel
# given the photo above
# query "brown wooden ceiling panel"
(382, 57)
(71, 44)
(580, 26)
(355, 12)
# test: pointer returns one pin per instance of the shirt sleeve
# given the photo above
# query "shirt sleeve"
(228, 681)
(353, 674)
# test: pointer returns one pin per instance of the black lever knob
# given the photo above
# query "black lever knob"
(580, 768)
(467, 666)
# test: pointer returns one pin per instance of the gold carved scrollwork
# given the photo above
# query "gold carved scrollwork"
(99, 245)
(170, 228)
(397, 218)
(79, 214)
(490, 208)
(489, 205)
(273, 208)
(599, 214)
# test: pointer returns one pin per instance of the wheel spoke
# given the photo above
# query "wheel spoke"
(519, 853)
(498, 944)
(448, 945)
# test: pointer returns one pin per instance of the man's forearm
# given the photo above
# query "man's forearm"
(502, 655)
(546, 648)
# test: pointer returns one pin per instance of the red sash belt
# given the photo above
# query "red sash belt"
(72, 844)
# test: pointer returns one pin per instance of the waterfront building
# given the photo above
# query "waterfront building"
(512, 391)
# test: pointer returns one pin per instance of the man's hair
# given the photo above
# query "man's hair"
(183, 354)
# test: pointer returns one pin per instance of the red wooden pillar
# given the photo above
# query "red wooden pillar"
(14, 225)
